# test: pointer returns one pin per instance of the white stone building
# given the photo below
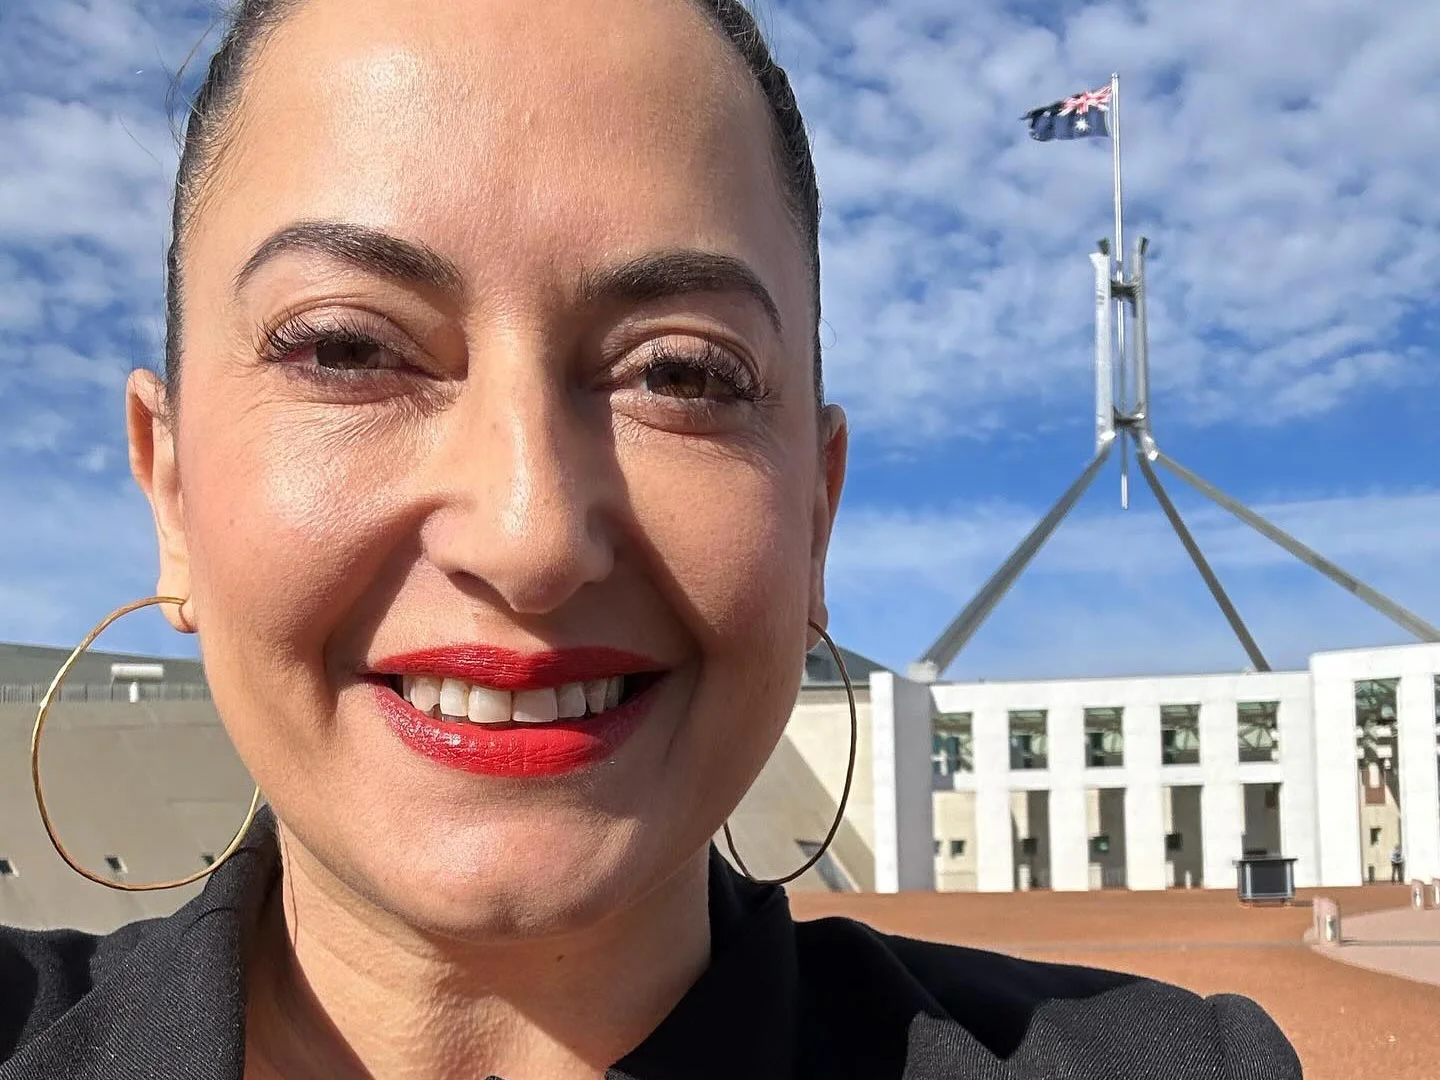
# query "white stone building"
(1155, 782)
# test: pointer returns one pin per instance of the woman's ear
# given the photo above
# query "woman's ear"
(153, 464)
(830, 480)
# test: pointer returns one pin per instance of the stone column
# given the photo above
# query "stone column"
(1144, 800)
(1419, 783)
(994, 840)
(1069, 839)
(1222, 810)
(901, 720)
(1337, 797)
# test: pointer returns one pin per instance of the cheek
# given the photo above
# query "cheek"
(732, 536)
(282, 530)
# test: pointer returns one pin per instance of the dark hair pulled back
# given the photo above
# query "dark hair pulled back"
(251, 23)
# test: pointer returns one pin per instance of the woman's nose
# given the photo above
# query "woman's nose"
(526, 488)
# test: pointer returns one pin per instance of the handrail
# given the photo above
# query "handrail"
(32, 693)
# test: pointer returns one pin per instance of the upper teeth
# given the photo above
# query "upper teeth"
(459, 700)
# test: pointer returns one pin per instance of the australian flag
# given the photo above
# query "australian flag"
(1079, 117)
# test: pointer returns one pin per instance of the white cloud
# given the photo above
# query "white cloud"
(1281, 155)
(89, 155)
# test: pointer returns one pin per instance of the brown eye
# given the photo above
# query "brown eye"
(344, 353)
(677, 380)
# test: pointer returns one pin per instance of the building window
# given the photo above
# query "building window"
(1029, 846)
(1099, 845)
(1377, 739)
(1180, 734)
(1375, 702)
(7, 868)
(937, 849)
(951, 745)
(1374, 837)
(1174, 842)
(1104, 738)
(957, 848)
(116, 864)
(1028, 748)
(1258, 726)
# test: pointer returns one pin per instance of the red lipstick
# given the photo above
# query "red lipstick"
(520, 751)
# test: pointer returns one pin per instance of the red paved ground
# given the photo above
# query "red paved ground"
(1345, 1021)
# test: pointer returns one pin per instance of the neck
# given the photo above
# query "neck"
(336, 991)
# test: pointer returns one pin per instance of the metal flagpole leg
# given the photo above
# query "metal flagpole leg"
(1383, 604)
(948, 645)
(1104, 350)
(1217, 590)
(1142, 338)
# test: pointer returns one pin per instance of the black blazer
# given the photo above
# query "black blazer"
(165, 1000)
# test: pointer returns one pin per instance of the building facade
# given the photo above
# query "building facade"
(1154, 783)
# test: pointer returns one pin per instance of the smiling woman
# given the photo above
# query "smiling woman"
(491, 466)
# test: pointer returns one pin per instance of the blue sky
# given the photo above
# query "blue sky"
(1281, 156)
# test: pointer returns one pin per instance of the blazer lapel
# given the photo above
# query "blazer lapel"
(171, 1007)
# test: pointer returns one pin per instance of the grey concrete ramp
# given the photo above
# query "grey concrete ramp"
(120, 783)
(786, 806)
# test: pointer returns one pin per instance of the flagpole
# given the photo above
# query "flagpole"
(1122, 365)
(1115, 148)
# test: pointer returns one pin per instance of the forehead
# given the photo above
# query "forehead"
(542, 132)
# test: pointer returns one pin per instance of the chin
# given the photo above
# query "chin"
(507, 883)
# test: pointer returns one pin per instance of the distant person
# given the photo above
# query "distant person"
(491, 462)
(1397, 864)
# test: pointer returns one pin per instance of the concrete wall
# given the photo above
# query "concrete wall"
(1182, 817)
(1262, 819)
(954, 821)
(819, 729)
(1379, 824)
(156, 788)
(1105, 815)
(1030, 827)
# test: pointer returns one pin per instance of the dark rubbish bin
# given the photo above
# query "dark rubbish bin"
(1265, 879)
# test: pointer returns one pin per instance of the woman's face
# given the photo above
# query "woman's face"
(497, 349)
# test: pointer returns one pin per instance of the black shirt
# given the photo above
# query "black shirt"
(165, 1000)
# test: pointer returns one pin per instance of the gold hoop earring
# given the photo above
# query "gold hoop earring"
(47, 701)
(844, 794)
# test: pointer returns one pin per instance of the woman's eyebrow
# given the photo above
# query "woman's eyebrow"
(649, 277)
(663, 274)
(371, 250)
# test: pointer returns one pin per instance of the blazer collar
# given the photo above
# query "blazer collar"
(172, 1007)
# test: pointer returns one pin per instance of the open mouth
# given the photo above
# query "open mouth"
(460, 702)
